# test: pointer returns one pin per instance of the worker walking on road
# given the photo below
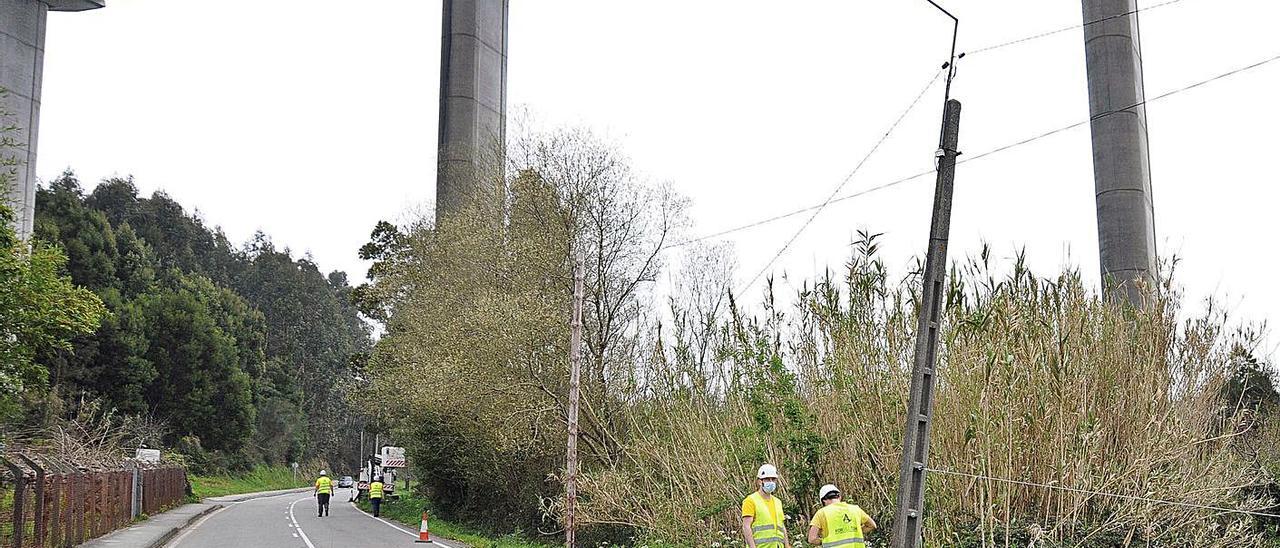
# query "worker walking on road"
(762, 518)
(324, 490)
(375, 496)
(838, 523)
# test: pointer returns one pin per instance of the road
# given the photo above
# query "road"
(290, 521)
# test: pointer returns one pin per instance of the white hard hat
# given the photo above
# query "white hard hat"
(767, 471)
(322, 473)
(827, 490)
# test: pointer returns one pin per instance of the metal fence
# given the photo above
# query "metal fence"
(47, 504)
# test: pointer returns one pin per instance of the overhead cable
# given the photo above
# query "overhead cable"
(847, 178)
(1070, 28)
(964, 160)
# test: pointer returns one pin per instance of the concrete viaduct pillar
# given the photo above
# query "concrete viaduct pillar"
(473, 102)
(1121, 172)
(22, 29)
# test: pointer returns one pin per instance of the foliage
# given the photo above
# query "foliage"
(472, 371)
(242, 352)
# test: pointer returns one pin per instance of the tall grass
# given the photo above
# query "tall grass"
(1040, 381)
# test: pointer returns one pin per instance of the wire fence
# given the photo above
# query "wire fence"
(45, 503)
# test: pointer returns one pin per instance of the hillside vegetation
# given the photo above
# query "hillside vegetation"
(232, 356)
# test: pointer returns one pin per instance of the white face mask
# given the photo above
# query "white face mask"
(770, 486)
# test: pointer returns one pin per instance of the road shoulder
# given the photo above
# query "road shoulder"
(449, 543)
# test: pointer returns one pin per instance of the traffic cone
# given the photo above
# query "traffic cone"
(424, 535)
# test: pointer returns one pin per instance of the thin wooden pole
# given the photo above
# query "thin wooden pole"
(575, 374)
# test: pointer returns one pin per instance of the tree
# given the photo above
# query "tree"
(619, 224)
(315, 331)
(197, 326)
(386, 244)
(200, 387)
(85, 234)
(473, 366)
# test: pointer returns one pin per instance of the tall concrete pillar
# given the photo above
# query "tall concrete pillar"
(1122, 178)
(22, 28)
(473, 101)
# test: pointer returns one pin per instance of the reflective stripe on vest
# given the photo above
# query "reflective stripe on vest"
(843, 526)
(375, 490)
(768, 532)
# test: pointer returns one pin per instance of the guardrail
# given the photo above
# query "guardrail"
(47, 504)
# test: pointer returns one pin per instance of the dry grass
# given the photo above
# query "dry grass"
(1041, 382)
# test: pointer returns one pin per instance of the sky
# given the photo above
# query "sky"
(311, 120)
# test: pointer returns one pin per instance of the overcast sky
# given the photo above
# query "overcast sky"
(313, 119)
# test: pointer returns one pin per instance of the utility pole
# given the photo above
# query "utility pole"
(575, 375)
(908, 522)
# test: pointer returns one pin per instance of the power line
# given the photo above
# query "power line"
(847, 178)
(1105, 494)
(1072, 27)
(996, 150)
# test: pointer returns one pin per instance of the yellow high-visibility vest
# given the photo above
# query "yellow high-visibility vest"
(843, 526)
(324, 485)
(766, 526)
(375, 490)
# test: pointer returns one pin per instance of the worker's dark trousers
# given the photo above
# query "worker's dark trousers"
(377, 506)
(323, 499)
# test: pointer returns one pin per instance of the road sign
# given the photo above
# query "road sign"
(393, 457)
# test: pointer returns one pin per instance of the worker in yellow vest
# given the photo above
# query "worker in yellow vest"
(762, 518)
(324, 490)
(375, 495)
(838, 523)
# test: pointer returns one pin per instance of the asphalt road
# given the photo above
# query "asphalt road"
(290, 521)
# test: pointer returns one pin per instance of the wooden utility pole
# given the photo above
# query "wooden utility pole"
(575, 374)
(908, 521)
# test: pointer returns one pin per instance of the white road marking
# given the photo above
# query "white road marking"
(389, 524)
(299, 527)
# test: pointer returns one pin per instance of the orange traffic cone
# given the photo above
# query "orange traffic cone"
(423, 534)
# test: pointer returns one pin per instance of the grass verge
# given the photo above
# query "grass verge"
(408, 510)
(261, 478)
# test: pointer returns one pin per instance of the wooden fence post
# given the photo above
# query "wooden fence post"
(19, 496)
(39, 502)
